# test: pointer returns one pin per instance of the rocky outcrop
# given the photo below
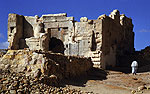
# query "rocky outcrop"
(35, 63)
(142, 57)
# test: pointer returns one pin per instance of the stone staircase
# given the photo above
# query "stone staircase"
(95, 56)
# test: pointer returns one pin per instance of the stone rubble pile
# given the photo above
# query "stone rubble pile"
(35, 72)
(140, 89)
(19, 83)
(51, 64)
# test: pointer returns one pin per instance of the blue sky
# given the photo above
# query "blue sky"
(138, 10)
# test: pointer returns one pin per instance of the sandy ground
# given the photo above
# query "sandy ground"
(113, 82)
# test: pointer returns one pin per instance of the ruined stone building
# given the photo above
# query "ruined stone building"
(103, 39)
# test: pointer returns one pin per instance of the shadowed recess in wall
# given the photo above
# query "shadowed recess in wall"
(28, 29)
(56, 45)
(93, 44)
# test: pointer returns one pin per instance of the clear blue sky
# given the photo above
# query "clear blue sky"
(138, 10)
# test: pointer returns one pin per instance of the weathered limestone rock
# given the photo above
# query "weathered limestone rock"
(102, 16)
(38, 29)
(15, 30)
(105, 39)
(141, 88)
(115, 15)
(35, 63)
(60, 14)
(83, 19)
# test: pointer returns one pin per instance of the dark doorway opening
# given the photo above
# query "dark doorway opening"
(56, 45)
(93, 42)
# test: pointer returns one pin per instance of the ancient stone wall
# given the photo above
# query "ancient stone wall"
(15, 30)
(48, 63)
(117, 37)
(104, 39)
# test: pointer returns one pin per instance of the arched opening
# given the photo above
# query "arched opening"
(56, 45)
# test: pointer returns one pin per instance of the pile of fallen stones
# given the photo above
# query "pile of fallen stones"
(19, 83)
(140, 89)
(54, 65)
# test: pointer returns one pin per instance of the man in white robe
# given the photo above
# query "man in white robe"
(134, 66)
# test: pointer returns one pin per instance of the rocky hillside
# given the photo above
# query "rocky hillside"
(142, 57)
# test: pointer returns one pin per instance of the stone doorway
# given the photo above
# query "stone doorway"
(56, 45)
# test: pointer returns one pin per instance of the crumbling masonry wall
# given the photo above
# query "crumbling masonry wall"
(29, 62)
(103, 39)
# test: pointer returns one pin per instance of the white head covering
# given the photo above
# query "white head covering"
(134, 64)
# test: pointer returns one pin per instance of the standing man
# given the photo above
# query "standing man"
(134, 66)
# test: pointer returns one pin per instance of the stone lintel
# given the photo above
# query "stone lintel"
(56, 19)
(60, 14)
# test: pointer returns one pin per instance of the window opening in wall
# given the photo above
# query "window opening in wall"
(93, 42)
(97, 34)
(65, 27)
(59, 29)
(12, 29)
(66, 45)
